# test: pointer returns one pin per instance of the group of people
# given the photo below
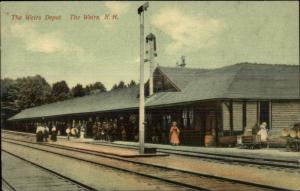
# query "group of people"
(43, 132)
(104, 131)
(111, 130)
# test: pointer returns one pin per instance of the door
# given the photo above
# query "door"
(264, 114)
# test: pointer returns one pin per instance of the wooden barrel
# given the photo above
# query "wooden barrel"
(298, 134)
(209, 140)
(285, 132)
(293, 133)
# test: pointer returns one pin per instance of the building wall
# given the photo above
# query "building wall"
(251, 110)
(226, 125)
(237, 116)
(284, 114)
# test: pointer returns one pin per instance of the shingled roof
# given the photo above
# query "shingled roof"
(119, 99)
(239, 81)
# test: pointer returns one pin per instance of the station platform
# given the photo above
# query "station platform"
(108, 150)
(264, 153)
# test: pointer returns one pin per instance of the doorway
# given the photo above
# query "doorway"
(264, 114)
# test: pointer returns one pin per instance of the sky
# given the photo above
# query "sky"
(52, 43)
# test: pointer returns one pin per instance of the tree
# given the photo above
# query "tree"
(115, 86)
(122, 85)
(60, 91)
(95, 88)
(32, 91)
(132, 83)
(119, 86)
(9, 94)
(78, 91)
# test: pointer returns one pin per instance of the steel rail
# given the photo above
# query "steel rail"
(49, 171)
(216, 156)
(6, 186)
(294, 165)
(223, 179)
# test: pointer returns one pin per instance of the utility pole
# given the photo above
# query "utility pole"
(151, 42)
(141, 11)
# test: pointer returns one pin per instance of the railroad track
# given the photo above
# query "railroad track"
(178, 177)
(260, 162)
(34, 176)
(292, 165)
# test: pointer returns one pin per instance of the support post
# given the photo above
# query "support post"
(142, 94)
(141, 11)
(231, 117)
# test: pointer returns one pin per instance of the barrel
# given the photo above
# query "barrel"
(285, 132)
(293, 133)
(209, 140)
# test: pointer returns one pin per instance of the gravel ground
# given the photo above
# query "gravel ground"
(264, 175)
(100, 178)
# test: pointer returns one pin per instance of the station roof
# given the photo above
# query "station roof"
(119, 99)
(239, 81)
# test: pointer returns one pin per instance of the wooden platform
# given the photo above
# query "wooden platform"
(108, 150)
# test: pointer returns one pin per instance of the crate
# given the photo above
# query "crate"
(251, 141)
(228, 140)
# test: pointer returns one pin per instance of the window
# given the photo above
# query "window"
(166, 121)
(188, 117)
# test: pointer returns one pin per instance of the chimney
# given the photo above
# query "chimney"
(182, 64)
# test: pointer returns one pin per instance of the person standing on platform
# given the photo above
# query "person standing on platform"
(39, 133)
(95, 130)
(263, 133)
(114, 130)
(82, 129)
(109, 130)
(46, 132)
(123, 132)
(105, 130)
(68, 132)
(99, 130)
(174, 134)
(53, 133)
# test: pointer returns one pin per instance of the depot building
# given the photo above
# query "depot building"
(210, 105)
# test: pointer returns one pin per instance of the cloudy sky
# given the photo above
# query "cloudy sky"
(209, 34)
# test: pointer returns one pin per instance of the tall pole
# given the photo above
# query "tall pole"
(142, 96)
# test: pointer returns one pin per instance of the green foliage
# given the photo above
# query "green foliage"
(131, 83)
(32, 91)
(23, 93)
(78, 91)
(95, 88)
(120, 85)
(8, 98)
(60, 91)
